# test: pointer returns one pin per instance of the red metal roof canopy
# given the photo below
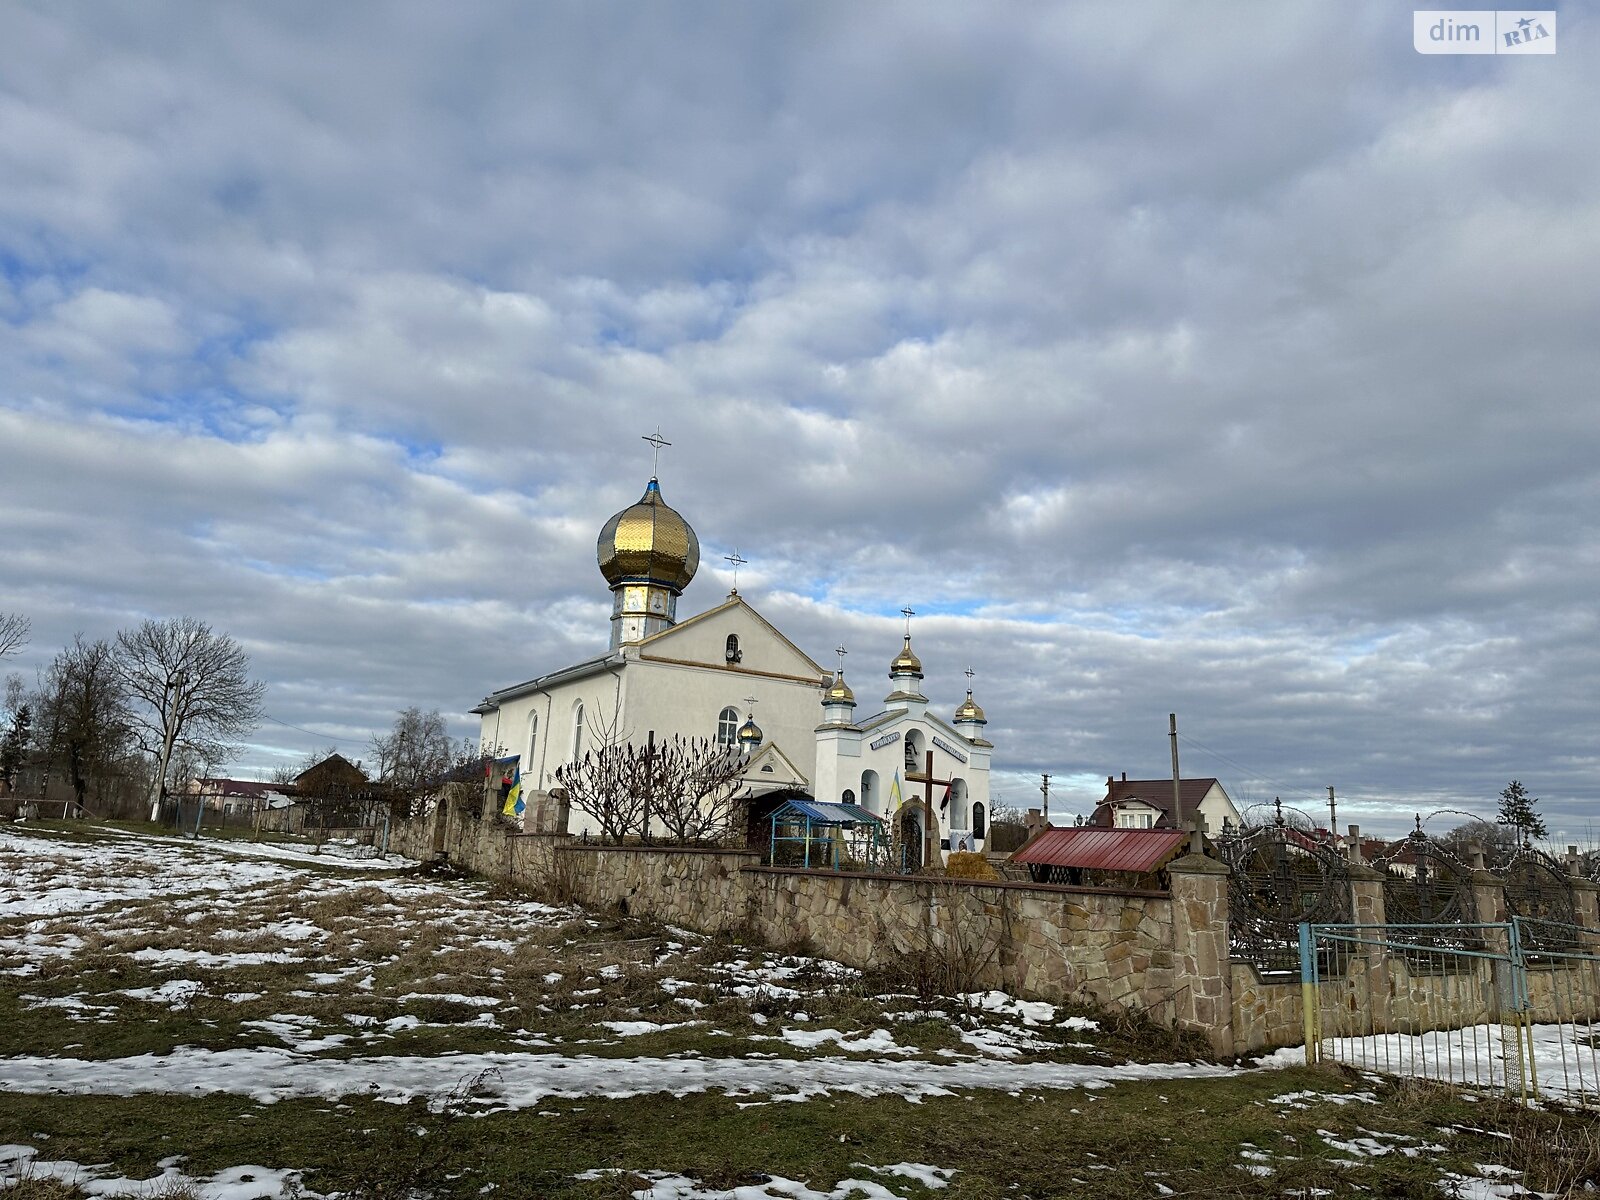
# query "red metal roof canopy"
(1140, 850)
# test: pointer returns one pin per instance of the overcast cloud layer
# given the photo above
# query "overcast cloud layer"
(1228, 360)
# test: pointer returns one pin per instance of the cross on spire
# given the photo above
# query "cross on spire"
(656, 442)
(752, 702)
(969, 673)
(734, 561)
(841, 652)
(908, 612)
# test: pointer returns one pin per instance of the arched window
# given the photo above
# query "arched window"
(530, 764)
(732, 651)
(849, 797)
(914, 751)
(870, 799)
(728, 726)
(958, 803)
(979, 828)
(577, 733)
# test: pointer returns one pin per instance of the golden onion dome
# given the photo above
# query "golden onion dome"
(749, 734)
(649, 541)
(838, 692)
(906, 663)
(969, 711)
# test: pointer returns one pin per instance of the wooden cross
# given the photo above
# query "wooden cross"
(927, 780)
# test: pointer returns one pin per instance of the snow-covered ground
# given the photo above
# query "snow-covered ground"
(308, 976)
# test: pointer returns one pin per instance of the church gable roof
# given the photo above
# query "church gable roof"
(771, 767)
(701, 641)
(889, 717)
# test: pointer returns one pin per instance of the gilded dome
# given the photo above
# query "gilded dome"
(969, 711)
(649, 541)
(749, 734)
(906, 663)
(838, 692)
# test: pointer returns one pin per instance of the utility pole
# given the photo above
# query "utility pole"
(1044, 788)
(1333, 819)
(1177, 791)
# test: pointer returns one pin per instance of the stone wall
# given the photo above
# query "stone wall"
(1099, 946)
(1164, 954)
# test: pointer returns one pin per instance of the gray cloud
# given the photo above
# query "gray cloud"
(1233, 364)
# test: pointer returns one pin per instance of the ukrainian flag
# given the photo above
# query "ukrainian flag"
(895, 799)
(514, 805)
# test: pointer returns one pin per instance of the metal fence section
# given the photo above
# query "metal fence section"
(1562, 982)
(1510, 1007)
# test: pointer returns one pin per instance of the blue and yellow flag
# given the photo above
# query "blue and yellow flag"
(895, 798)
(514, 805)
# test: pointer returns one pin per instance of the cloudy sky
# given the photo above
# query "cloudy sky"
(1231, 360)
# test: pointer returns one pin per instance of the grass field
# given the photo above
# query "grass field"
(223, 1019)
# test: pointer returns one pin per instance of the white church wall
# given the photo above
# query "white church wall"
(674, 699)
(704, 640)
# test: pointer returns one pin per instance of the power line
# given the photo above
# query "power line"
(313, 732)
(1250, 772)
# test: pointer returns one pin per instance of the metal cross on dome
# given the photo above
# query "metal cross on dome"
(908, 612)
(734, 561)
(656, 442)
(969, 673)
(841, 652)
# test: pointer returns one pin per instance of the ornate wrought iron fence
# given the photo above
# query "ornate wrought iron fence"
(1279, 878)
(1429, 890)
(1538, 890)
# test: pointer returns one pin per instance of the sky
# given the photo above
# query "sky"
(1231, 361)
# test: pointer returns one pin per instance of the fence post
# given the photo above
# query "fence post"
(1308, 991)
(1200, 949)
(1367, 908)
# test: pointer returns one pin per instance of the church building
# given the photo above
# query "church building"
(730, 676)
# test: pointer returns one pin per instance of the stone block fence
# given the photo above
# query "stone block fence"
(1164, 953)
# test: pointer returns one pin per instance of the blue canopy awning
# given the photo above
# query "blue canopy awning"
(820, 812)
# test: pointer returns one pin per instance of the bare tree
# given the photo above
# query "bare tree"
(191, 685)
(14, 629)
(84, 718)
(693, 786)
(415, 755)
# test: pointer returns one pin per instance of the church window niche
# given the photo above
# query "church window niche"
(849, 797)
(728, 726)
(732, 652)
(531, 766)
(958, 803)
(870, 799)
(979, 829)
(914, 751)
(577, 733)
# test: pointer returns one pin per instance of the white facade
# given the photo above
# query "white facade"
(679, 682)
(869, 762)
(698, 679)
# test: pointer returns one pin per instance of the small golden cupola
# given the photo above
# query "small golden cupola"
(838, 692)
(905, 672)
(749, 735)
(969, 713)
(648, 554)
(906, 662)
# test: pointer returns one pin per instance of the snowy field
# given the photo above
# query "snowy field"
(258, 979)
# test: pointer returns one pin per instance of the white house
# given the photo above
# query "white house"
(1147, 804)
